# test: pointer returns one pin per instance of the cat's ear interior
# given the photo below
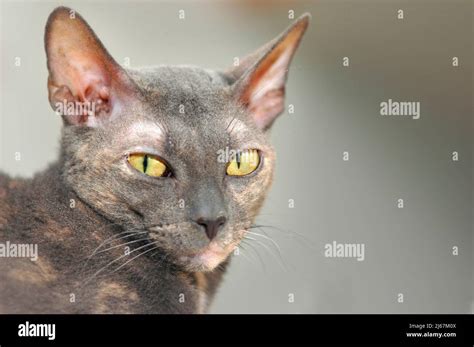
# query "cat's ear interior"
(260, 77)
(85, 84)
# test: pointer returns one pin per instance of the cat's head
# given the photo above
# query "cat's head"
(180, 152)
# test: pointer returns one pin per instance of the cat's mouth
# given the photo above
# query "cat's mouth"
(199, 259)
(207, 259)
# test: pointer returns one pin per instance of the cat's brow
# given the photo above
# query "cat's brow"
(235, 125)
(148, 129)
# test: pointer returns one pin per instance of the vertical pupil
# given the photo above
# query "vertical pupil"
(145, 163)
(238, 159)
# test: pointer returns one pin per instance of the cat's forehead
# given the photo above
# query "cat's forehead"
(176, 80)
(188, 103)
(182, 135)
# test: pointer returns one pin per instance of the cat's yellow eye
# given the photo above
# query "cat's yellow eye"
(148, 164)
(244, 163)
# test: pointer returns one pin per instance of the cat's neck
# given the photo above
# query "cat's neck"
(62, 202)
(46, 205)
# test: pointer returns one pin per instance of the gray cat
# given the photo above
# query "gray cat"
(161, 173)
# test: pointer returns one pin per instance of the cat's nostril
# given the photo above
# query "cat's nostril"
(212, 226)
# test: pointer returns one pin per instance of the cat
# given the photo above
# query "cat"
(139, 215)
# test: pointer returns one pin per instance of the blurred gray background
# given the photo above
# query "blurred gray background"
(407, 250)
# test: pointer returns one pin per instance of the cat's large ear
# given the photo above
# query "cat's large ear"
(260, 77)
(86, 86)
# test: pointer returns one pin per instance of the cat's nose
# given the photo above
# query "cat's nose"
(212, 226)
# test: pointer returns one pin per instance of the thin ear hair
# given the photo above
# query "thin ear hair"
(95, 39)
(261, 87)
(268, 49)
(247, 62)
(81, 69)
(66, 11)
(250, 61)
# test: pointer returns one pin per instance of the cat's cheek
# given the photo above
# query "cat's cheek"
(252, 195)
(253, 186)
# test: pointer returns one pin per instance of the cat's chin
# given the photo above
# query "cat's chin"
(206, 260)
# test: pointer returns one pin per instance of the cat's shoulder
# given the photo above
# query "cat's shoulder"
(9, 185)
(4, 178)
(6, 184)
(12, 191)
